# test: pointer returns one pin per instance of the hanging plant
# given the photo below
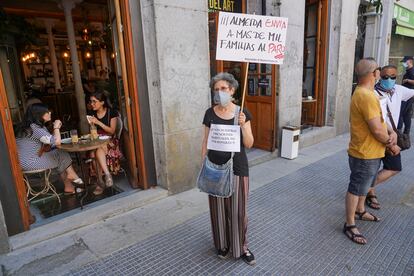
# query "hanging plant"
(377, 4)
(23, 32)
(106, 37)
(369, 5)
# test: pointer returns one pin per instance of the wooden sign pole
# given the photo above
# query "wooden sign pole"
(245, 85)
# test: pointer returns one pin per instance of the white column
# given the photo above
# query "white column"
(49, 24)
(67, 6)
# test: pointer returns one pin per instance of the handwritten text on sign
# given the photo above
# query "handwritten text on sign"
(251, 38)
(224, 138)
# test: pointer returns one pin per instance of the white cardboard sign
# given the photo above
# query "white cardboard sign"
(224, 138)
(251, 38)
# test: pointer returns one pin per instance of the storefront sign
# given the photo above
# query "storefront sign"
(405, 21)
(224, 138)
(225, 5)
(251, 38)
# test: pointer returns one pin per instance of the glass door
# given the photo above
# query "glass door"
(261, 102)
(124, 100)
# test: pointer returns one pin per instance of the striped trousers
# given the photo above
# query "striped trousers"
(229, 218)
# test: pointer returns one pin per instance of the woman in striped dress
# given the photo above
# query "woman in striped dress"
(228, 215)
(31, 137)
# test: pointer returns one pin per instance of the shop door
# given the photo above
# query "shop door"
(130, 139)
(260, 94)
(19, 187)
(314, 63)
(261, 102)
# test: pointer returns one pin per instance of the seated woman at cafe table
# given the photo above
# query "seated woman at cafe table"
(37, 146)
(105, 119)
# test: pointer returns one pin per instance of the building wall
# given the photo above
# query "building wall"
(4, 239)
(177, 66)
(409, 4)
(347, 38)
(289, 105)
(334, 28)
(176, 49)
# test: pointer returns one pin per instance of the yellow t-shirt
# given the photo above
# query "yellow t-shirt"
(364, 107)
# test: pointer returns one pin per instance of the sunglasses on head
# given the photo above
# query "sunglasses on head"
(377, 69)
(388, 77)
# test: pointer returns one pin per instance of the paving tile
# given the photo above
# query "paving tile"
(295, 228)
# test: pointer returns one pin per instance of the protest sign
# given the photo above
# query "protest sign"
(224, 138)
(251, 38)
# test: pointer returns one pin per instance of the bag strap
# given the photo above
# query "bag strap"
(389, 114)
(236, 121)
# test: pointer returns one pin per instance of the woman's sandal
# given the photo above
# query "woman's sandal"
(77, 190)
(353, 236)
(98, 191)
(360, 216)
(370, 203)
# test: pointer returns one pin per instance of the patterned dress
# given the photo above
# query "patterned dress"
(28, 149)
(113, 152)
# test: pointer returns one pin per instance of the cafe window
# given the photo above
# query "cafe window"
(42, 70)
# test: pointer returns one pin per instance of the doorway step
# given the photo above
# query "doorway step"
(257, 156)
(89, 215)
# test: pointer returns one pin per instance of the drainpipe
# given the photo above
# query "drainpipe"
(379, 38)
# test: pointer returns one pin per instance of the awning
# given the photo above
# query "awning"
(405, 21)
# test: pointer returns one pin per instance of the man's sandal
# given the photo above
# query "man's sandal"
(353, 236)
(360, 216)
(370, 203)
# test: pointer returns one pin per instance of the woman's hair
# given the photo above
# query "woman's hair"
(102, 95)
(224, 76)
(34, 115)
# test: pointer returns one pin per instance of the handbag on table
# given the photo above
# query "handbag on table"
(217, 180)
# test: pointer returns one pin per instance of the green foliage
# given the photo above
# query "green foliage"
(23, 32)
(377, 4)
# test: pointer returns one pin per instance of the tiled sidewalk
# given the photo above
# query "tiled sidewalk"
(295, 228)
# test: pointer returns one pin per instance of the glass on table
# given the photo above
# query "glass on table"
(74, 136)
(94, 132)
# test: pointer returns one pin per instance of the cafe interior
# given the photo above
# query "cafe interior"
(39, 42)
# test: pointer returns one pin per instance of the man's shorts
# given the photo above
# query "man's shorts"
(392, 163)
(363, 175)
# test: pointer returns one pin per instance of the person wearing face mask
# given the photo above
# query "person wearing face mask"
(393, 94)
(407, 106)
(229, 215)
(369, 138)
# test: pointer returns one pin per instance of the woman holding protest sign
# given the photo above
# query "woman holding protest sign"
(228, 215)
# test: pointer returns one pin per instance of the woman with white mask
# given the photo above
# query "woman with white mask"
(228, 215)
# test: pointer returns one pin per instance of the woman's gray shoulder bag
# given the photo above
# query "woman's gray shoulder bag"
(217, 180)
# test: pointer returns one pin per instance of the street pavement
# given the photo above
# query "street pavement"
(295, 228)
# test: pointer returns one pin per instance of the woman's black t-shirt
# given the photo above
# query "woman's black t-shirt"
(240, 164)
(106, 119)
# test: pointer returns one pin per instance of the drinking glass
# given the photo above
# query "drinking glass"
(94, 132)
(74, 136)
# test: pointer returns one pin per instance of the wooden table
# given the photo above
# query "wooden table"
(84, 146)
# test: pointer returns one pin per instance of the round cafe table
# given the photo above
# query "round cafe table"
(84, 146)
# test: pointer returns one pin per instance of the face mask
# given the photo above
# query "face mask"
(404, 64)
(222, 98)
(387, 84)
